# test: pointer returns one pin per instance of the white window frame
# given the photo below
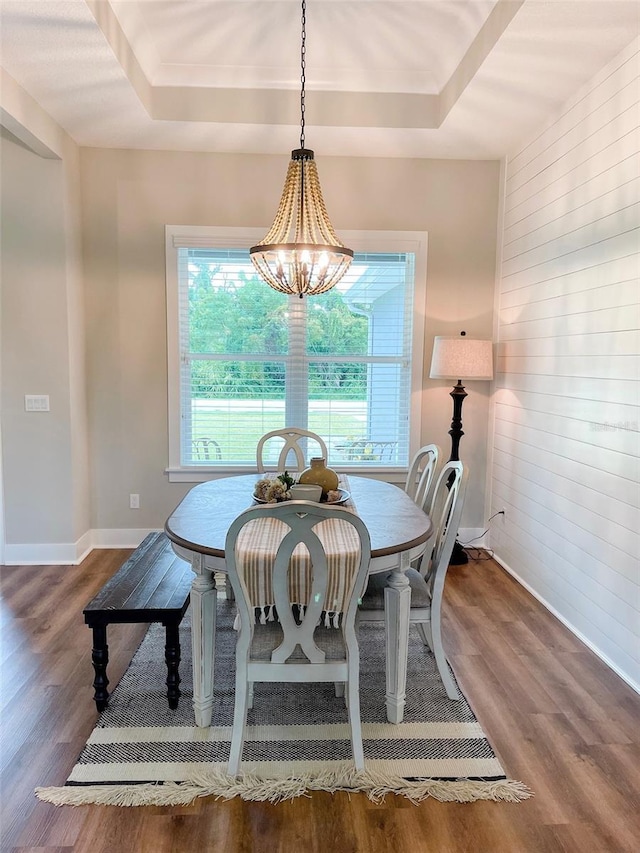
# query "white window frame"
(206, 236)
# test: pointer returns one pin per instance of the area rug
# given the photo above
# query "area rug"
(297, 740)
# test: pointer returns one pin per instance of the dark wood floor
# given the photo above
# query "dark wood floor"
(558, 718)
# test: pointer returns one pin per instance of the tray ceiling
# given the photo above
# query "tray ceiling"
(391, 78)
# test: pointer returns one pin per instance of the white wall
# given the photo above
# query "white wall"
(45, 465)
(129, 197)
(566, 448)
(68, 474)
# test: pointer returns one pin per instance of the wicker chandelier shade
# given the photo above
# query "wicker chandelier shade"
(301, 253)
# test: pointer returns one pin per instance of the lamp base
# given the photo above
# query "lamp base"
(458, 556)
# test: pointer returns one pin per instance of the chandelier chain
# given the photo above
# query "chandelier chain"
(301, 253)
(303, 51)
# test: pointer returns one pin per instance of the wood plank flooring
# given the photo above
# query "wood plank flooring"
(559, 719)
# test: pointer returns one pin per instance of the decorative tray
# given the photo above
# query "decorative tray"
(344, 496)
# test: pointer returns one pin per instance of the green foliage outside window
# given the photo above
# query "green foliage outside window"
(242, 315)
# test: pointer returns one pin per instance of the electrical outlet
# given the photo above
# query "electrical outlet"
(36, 402)
(134, 501)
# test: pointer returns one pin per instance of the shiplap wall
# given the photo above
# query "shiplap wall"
(566, 446)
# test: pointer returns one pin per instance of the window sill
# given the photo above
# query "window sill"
(203, 474)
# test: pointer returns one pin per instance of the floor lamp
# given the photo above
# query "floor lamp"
(460, 358)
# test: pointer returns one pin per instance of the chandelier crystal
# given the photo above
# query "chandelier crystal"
(301, 252)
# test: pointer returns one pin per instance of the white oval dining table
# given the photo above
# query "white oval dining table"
(197, 528)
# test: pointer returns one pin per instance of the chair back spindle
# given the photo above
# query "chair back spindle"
(294, 451)
(421, 475)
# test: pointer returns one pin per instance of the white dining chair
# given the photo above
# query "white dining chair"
(420, 482)
(427, 584)
(421, 474)
(295, 445)
(296, 647)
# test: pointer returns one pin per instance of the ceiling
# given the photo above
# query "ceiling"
(390, 78)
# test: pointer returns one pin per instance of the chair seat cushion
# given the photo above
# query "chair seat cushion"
(373, 598)
(268, 637)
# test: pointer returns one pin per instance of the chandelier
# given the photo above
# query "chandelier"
(301, 252)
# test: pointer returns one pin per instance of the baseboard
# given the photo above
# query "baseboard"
(603, 657)
(50, 553)
(121, 538)
(72, 553)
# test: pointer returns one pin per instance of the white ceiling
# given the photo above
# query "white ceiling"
(396, 78)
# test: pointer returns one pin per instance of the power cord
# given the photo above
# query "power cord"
(480, 554)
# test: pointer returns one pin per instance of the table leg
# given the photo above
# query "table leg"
(397, 606)
(203, 634)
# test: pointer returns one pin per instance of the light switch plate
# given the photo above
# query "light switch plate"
(36, 402)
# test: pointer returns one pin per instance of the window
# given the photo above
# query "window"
(244, 359)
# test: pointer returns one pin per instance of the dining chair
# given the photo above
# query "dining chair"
(421, 477)
(427, 584)
(298, 647)
(295, 441)
(369, 450)
(206, 449)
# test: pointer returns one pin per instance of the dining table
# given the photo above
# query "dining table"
(399, 531)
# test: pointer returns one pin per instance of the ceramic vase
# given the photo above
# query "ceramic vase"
(320, 475)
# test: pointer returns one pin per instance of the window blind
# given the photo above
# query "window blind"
(253, 360)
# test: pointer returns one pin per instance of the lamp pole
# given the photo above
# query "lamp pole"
(458, 556)
(456, 432)
(460, 358)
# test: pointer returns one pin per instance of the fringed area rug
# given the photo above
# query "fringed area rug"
(297, 739)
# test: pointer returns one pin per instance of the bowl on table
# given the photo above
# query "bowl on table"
(305, 492)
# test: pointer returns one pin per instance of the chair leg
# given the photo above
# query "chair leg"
(353, 706)
(251, 683)
(425, 633)
(339, 688)
(441, 659)
(239, 723)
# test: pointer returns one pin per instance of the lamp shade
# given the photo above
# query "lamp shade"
(461, 358)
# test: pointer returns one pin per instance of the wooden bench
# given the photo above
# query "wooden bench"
(152, 586)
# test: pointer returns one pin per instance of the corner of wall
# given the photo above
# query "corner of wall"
(488, 492)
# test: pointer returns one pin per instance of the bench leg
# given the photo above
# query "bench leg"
(172, 657)
(100, 659)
